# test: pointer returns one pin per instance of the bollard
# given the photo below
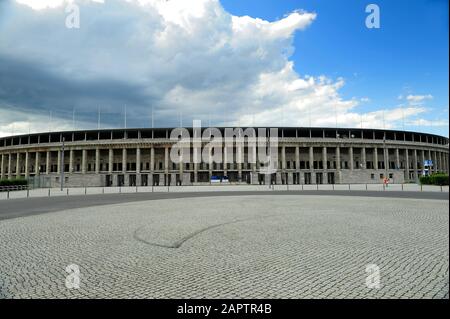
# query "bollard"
(103, 190)
(420, 187)
(441, 188)
(348, 186)
(120, 189)
(317, 186)
(366, 186)
(333, 186)
(67, 192)
(402, 186)
(49, 192)
(7, 194)
(384, 187)
(302, 186)
(28, 192)
(85, 191)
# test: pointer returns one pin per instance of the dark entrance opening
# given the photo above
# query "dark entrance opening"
(331, 178)
(319, 178)
(144, 180)
(307, 178)
(120, 180)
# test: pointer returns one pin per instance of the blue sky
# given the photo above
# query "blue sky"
(407, 55)
(228, 63)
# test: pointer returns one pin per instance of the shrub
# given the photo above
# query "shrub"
(13, 182)
(435, 179)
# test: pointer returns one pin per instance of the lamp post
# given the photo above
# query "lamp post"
(62, 164)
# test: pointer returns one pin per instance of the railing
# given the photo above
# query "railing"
(11, 188)
(50, 192)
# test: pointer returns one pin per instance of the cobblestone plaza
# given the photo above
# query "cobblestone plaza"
(265, 246)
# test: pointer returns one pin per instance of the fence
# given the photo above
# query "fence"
(50, 192)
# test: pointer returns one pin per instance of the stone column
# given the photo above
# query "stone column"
(9, 166)
(225, 159)
(415, 164)
(350, 152)
(37, 164)
(124, 160)
(375, 158)
(363, 158)
(407, 165)
(47, 163)
(440, 168)
(324, 158)
(110, 160)
(152, 159)
(297, 158)
(311, 159)
(283, 158)
(2, 167)
(27, 171)
(435, 164)
(71, 152)
(338, 164)
(138, 160)
(83, 161)
(397, 158)
(17, 165)
(422, 153)
(97, 160)
(166, 160)
(386, 158)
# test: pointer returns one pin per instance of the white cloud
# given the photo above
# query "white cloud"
(418, 99)
(181, 56)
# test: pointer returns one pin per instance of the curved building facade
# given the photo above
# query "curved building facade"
(141, 157)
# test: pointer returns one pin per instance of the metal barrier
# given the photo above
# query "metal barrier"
(11, 188)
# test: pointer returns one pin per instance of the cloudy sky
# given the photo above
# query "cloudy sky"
(272, 63)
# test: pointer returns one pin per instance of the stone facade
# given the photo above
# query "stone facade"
(135, 157)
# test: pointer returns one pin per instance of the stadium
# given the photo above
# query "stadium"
(140, 157)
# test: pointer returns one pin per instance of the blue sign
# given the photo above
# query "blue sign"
(428, 163)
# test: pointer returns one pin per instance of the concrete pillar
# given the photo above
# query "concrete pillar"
(311, 159)
(422, 153)
(225, 159)
(386, 157)
(440, 168)
(2, 167)
(37, 164)
(58, 164)
(166, 160)
(83, 161)
(152, 159)
(124, 160)
(110, 161)
(71, 152)
(416, 176)
(407, 165)
(397, 158)
(375, 158)
(9, 166)
(27, 170)
(283, 158)
(435, 163)
(350, 152)
(97, 160)
(297, 158)
(363, 158)
(47, 163)
(138, 160)
(338, 165)
(338, 158)
(17, 165)
(324, 158)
